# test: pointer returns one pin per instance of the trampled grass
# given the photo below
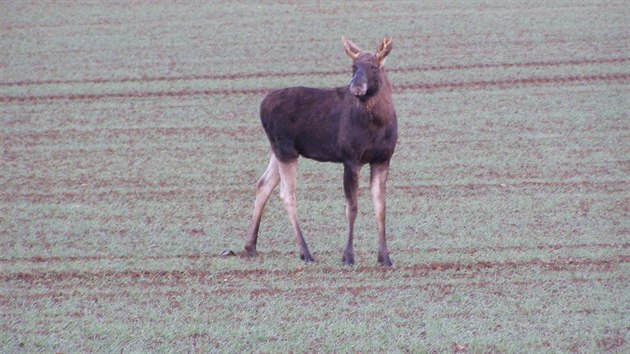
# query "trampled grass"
(131, 146)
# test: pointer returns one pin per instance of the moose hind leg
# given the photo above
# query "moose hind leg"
(265, 186)
(378, 178)
(288, 181)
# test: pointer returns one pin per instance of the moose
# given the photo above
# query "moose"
(354, 125)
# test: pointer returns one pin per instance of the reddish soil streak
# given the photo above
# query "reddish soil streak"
(68, 197)
(125, 95)
(552, 265)
(437, 290)
(259, 91)
(512, 65)
(318, 73)
(475, 189)
(40, 259)
(525, 248)
(512, 82)
(113, 133)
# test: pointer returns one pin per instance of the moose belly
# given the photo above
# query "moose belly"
(318, 148)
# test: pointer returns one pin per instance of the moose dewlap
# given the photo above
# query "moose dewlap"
(353, 125)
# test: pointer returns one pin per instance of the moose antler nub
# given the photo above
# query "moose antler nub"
(351, 49)
(384, 49)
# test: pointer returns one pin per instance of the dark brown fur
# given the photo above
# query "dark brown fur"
(353, 125)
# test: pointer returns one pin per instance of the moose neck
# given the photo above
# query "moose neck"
(380, 106)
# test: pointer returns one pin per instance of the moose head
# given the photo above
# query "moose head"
(367, 68)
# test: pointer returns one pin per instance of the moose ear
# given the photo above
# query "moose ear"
(351, 49)
(384, 49)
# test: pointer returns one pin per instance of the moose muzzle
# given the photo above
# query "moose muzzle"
(358, 85)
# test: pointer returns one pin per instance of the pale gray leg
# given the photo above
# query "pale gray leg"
(288, 181)
(378, 178)
(351, 188)
(265, 186)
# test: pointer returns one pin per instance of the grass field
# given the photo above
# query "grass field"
(131, 146)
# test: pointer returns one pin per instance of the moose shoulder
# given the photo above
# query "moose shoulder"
(354, 125)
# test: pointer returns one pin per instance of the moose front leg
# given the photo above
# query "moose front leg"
(351, 187)
(378, 178)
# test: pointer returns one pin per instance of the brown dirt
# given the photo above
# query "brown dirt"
(557, 265)
(237, 76)
(467, 85)
(272, 253)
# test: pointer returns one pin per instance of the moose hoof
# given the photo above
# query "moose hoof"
(347, 259)
(384, 260)
(251, 251)
(307, 258)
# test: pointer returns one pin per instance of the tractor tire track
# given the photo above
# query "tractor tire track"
(236, 76)
(506, 83)
(559, 264)
(432, 86)
(468, 190)
(197, 256)
(152, 290)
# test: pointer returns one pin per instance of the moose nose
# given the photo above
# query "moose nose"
(358, 85)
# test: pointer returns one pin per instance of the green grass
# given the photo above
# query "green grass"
(507, 201)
